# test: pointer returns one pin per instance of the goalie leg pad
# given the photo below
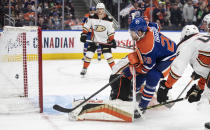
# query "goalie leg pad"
(120, 65)
(99, 110)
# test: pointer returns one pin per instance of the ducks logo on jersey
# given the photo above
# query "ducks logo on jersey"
(99, 28)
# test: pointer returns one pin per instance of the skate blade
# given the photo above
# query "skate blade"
(170, 105)
(82, 76)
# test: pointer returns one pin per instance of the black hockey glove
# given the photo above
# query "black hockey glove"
(113, 44)
(195, 76)
(162, 92)
(194, 94)
(83, 37)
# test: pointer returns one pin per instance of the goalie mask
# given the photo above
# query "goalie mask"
(137, 28)
(188, 30)
(205, 23)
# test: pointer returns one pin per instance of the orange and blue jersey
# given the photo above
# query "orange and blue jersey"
(154, 48)
(157, 52)
(85, 18)
(154, 25)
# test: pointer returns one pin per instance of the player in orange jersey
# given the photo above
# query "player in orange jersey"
(151, 60)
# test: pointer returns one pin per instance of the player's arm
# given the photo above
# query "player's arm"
(136, 60)
(110, 33)
(85, 29)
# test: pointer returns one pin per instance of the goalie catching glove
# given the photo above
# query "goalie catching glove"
(162, 92)
(194, 94)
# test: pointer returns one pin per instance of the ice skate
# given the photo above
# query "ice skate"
(99, 58)
(207, 126)
(138, 113)
(83, 72)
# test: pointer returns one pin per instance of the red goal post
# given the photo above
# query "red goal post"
(21, 68)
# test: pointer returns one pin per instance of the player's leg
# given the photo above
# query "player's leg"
(99, 51)
(121, 88)
(152, 79)
(86, 45)
(85, 50)
(108, 55)
(140, 79)
(87, 59)
(153, 76)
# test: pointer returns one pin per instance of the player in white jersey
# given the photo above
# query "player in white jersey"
(193, 49)
(103, 32)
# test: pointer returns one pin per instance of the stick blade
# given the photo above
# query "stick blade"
(61, 109)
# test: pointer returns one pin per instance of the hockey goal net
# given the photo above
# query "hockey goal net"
(21, 70)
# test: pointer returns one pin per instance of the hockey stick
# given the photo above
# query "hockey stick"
(171, 105)
(68, 110)
(134, 90)
(126, 47)
(162, 104)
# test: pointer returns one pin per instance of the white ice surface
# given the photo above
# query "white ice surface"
(62, 83)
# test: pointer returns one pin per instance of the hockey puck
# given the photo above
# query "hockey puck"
(207, 125)
(17, 76)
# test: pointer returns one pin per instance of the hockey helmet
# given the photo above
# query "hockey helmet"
(92, 8)
(138, 24)
(188, 30)
(206, 22)
(100, 5)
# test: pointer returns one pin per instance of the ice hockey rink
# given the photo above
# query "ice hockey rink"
(62, 83)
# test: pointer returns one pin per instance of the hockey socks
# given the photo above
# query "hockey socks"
(147, 95)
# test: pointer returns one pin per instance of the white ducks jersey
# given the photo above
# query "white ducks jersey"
(196, 52)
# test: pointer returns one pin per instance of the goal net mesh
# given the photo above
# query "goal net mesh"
(21, 70)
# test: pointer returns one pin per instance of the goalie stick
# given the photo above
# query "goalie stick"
(126, 47)
(68, 110)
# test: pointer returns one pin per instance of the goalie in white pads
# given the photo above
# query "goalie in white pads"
(103, 32)
(99, 110)
(193, 49)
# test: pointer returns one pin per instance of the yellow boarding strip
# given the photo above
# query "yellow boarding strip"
(55, 56)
